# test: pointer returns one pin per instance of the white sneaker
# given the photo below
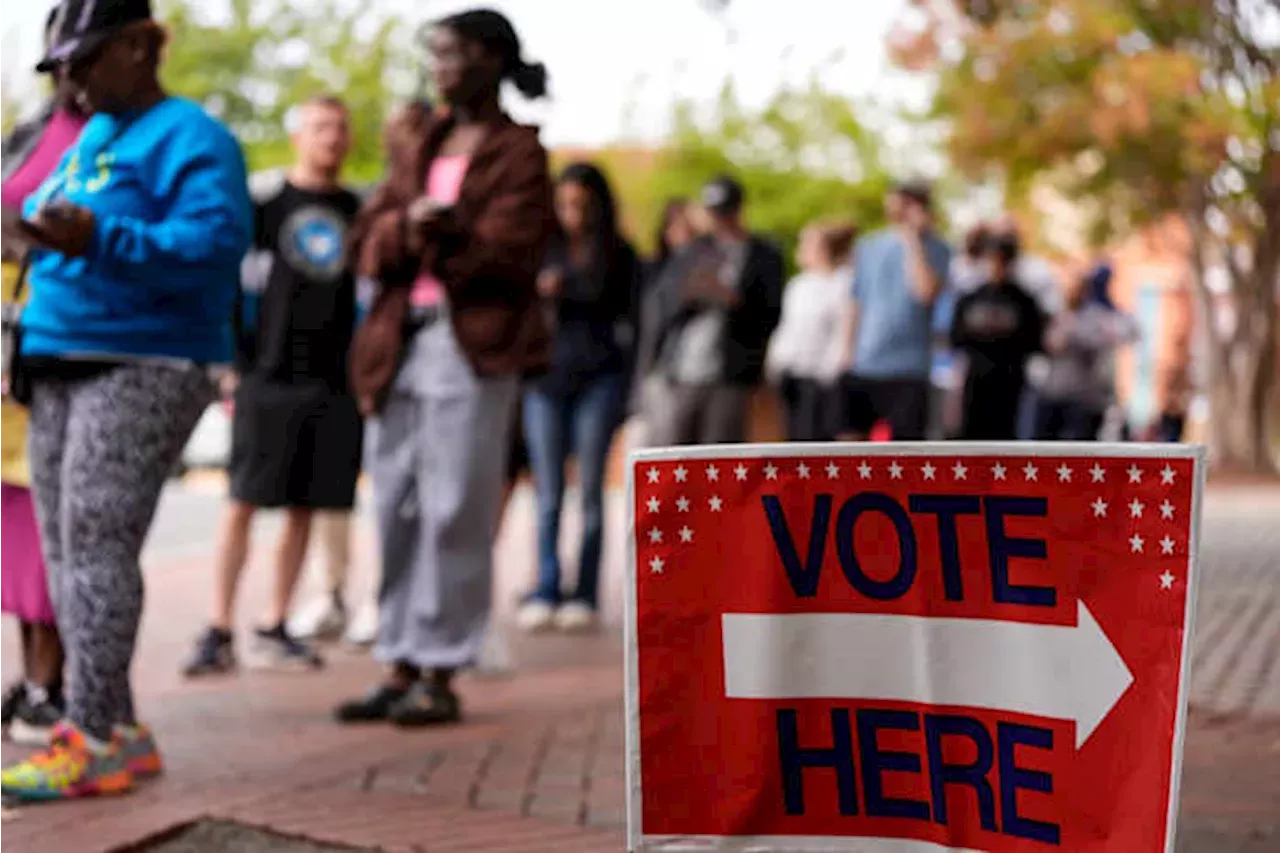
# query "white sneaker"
(363, 630)
(576, 617)
(495, 654)
(322, 618)
(535, 615)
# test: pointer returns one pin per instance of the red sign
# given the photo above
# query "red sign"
(921, 647)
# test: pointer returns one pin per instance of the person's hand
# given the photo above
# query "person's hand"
(228, 384)
(550, 283)
(428, 214)
(704, 285)
(64, 228)
(916, 218)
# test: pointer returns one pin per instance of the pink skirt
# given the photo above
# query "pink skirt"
(23, 586)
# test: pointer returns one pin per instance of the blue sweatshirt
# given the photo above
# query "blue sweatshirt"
(167, 187)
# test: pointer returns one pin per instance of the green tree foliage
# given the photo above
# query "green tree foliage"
(804, 156)
(1141, 110)
(271, 54)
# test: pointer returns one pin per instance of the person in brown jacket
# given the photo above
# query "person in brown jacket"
(455, 238)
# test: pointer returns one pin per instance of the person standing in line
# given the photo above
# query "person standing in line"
(1081, 341)
(717, 304)
(591, 279)
(34, 703)
(296, 433)
(325, 616)
(140, 232)
(997, 327)
(898, 273)
(675, 232)
(455, 236)
(804, 354)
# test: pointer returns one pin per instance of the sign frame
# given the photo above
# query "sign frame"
(640, 842)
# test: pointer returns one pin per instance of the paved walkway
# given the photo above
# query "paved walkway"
(539, 766)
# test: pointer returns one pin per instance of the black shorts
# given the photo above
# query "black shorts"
(294, 445)
(903, 403)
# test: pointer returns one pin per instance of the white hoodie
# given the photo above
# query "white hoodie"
(806, 343)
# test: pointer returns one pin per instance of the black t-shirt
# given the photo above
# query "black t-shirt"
(999, 326)
(306, 310)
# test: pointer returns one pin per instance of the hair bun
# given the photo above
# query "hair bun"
(530, 79)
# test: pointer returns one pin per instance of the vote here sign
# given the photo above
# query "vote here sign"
(909, 648)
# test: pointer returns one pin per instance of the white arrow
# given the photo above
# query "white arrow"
(1061, 672)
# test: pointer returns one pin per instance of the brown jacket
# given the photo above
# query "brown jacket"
(488, 257)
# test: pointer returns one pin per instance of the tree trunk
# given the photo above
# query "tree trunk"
(1242, 369)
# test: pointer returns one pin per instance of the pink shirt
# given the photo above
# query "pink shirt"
(62, 130)
(444, 182)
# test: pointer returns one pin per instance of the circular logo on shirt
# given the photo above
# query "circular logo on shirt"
(313, 241)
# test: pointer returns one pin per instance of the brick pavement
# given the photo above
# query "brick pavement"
(539, 766)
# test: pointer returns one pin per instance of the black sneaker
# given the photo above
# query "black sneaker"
(276, 651)
(34, 719)
(427, 704)
(373, 707)
(214, 654)
(12, 699)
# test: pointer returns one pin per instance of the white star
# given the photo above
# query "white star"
(927, 469)
(686, 534)
(682, 504)
(653, 475)
(682, 474)
(713, 473)
(959, 470)
(715, 503)
(895, 470)
(1135, 542)
(771, 471)
(1166, 510)
(1030, 471)
(655, 565)
(1097, 473)
(654, 503)
(1135, 508)
(1166, 545)
(997, 471)
(1167, 475)
(1166, 580)
(1064, 473)
(655, 535)
(802, 471)
(864, 470)
(1099, 508)
(740, 472)
(833, 470)
(1135, 474)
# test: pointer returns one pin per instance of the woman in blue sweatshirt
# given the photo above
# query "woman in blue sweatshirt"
(139, 234)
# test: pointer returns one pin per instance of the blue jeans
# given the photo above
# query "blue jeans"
(555, 425)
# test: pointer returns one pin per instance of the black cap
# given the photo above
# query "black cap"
(723, 195)
(79, 27)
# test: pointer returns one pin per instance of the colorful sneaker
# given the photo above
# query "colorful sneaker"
(68, 769)
(141, 755)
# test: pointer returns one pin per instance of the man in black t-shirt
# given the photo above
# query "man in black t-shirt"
(296, 433)
(998, 327)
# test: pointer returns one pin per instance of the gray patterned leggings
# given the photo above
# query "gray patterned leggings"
(101, 450)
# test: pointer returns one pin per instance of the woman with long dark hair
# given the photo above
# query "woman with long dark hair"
(455, 237)
(591, 280)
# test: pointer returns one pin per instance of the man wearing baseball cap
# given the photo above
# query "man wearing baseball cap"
(718, 304)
